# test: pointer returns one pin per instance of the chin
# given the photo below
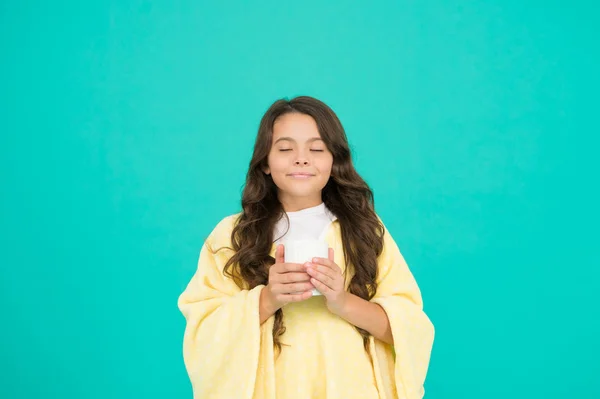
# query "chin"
(301, 194)
(295, 192)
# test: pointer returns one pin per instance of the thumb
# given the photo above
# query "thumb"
(279, 254)
(331, 254)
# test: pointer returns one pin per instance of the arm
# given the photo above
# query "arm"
(394, 316)
(265, 308)
(327, 277)
(367, 315)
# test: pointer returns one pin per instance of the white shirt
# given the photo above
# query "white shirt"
(306, 224)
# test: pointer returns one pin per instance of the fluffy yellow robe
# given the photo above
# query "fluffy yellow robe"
(229, 355)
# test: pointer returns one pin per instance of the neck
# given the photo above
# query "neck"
(298, 204)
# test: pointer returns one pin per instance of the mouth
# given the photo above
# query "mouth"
(300, 175)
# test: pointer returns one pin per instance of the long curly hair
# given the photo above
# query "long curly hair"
(346, 194)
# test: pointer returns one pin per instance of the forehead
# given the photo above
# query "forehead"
(296, 126)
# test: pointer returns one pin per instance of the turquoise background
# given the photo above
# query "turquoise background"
(126, 131)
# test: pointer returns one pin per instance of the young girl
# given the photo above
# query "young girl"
(255, 329)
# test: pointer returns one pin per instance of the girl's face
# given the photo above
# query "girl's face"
(299, 161)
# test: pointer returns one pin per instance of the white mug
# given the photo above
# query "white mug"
(302, 251)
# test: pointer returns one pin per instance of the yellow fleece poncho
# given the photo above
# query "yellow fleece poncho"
(229, 355)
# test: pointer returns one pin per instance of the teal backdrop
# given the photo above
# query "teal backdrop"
(126, 130)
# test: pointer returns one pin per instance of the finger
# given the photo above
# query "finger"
(323, 261)
(292, 267)
(298, 297)
(331, 258)
(328, 263)
(323, 269)
(322, 288)
(294, 277)
(280, 254)
(321, 277)
(295, 288)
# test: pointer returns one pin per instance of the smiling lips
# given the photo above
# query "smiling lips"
(300, 175)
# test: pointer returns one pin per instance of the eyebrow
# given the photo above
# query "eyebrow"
(291, 139)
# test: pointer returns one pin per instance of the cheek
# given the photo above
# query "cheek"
(325, 166)
(277, 164)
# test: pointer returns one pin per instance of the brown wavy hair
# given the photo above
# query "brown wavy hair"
(346, 194)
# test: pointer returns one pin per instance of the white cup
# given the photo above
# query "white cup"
(302, 251)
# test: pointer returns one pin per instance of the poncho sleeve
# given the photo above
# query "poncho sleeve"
(227, 353)
(401, 369)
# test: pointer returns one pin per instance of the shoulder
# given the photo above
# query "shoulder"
(388, 240)
(383, 226)
(227, 223)
(221, 233)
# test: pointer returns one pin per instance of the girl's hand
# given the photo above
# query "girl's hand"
(327, 277)
(288, 282)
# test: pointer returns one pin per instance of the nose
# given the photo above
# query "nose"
(302, 157)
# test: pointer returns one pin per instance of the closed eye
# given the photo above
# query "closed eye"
(285, 149)
(317, 150)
